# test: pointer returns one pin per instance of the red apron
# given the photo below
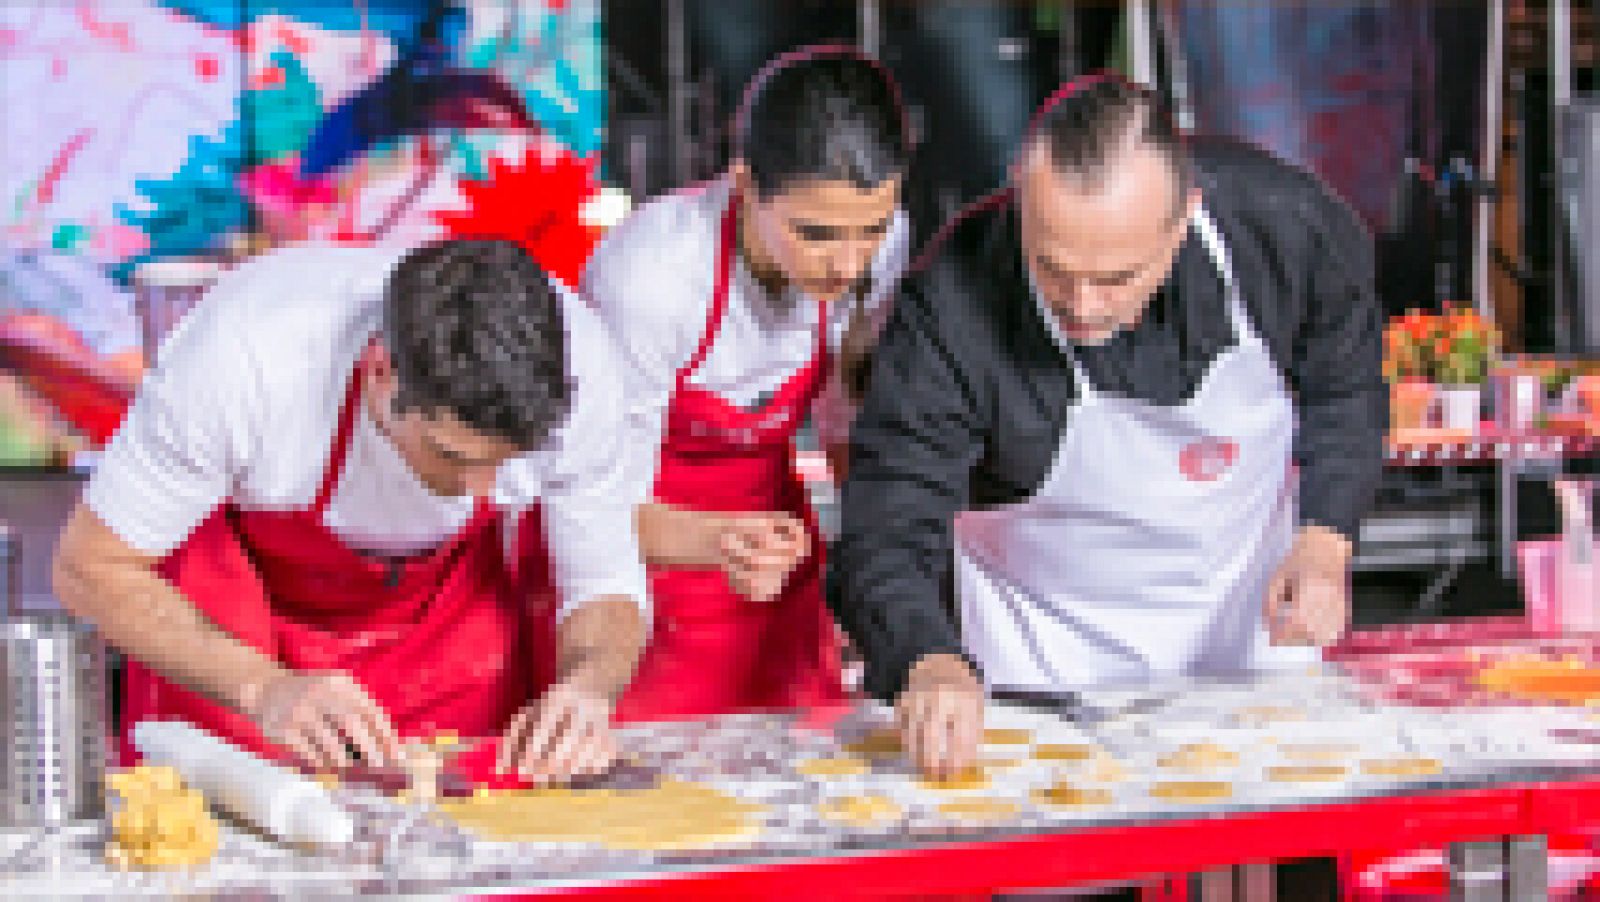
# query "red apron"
(441, 640)
(713, 650)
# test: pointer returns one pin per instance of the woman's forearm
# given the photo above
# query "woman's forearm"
(672, 536)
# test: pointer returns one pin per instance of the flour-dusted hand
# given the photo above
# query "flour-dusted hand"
(941, 715)
(1308, 601)
(565, 734)
(320, 716)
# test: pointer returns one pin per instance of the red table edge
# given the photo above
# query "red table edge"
(1564, 807)
(1134, 852)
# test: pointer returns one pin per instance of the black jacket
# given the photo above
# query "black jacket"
(969, 392)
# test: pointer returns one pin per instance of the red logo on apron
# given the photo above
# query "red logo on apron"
(1207, 459)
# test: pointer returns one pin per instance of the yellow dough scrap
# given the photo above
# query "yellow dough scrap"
(1064, 752)
(831, 767)
(1192, 791)
(1106, 769)
(1306, 773)
(997, 736)
(160, 822)
(1066, 795)
(1199, 756)
(877, 744)
(860, 811)
(1401, 767)
(673, 815)
(326, 780)
(966, 778)
(980, 809)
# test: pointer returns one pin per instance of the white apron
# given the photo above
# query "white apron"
(1147, 550)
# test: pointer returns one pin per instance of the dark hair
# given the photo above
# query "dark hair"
(1087, 120)
(475, 329)
(822, 112)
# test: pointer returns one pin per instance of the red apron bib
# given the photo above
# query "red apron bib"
(450, 639)
(713, 650)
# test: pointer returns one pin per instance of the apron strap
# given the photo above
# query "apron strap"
(341, 444)
(822, 355)
(726, 240)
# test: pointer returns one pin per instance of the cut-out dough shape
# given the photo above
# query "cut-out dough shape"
(1401, 767)
(1200, 756)
(1306, 773)
(860, 811)
(1066, 795)
(981, 809)
(1192, 791)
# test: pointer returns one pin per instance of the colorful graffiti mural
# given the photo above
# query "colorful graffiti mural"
(142, 130)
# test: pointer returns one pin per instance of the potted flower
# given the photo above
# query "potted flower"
(1407, 344)
(1463, 347)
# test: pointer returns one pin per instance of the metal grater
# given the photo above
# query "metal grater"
(53, 732)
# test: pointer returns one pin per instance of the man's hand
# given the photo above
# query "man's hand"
(759, 551)
(319, 716)
(565, 734)
(1308, 601)
(941, 715)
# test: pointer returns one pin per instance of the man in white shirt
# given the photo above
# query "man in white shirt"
(352, 500)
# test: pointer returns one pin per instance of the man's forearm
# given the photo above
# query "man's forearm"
(145, 617)
(599, 644)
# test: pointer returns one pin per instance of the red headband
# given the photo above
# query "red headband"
(811, 52)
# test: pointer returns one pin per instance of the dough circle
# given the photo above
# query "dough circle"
(1066, 795)
(980, 809)
(1401, 767)
(1064, 752)
(882, 743)
(1306, 773)
(967, 778)
(1192, 791)
(831, 767)
(859, 811)
(1200, 756)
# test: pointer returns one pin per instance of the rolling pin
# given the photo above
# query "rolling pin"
(275, 799)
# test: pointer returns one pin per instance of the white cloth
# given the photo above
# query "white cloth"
(244, 400)
(651, 279)
(1141, 555)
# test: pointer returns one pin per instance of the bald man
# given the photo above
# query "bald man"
(1121, 426)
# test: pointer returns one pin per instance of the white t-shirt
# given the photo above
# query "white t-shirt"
(652, 277)
(244, 401)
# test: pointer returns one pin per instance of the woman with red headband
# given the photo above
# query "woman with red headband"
(744, 305)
